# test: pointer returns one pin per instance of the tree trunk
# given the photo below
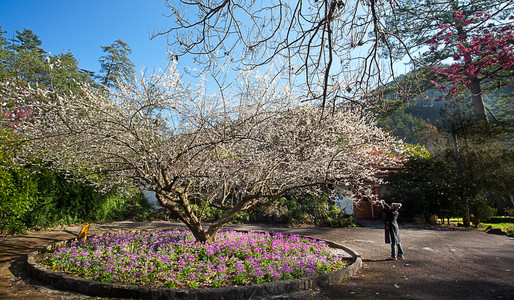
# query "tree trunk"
(189, 219)
(477, 100)
(106, 79)
(216, 226)
(465, 216)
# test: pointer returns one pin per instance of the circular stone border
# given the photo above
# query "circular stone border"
(101, 289)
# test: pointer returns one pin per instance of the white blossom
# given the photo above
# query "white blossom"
(250, 146)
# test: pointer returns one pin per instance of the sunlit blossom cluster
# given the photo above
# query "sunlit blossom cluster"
(172, 258)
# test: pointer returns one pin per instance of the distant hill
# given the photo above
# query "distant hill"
(406, 123)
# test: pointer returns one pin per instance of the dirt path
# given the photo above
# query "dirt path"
(440, 264)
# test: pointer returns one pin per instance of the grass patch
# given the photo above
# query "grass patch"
(505, 227)
(452, 221)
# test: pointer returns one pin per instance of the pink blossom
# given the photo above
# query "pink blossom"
(459, 15)
(478, 51)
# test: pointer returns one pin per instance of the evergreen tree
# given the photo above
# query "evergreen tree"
(4, 53)
(26, 60)
(482, 161)
(115, 64)
(22, 59)
(27, 40)
(65, 73)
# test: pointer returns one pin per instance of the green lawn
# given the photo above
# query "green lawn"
(505, 227)
(453, 221)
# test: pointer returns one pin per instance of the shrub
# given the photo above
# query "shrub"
(289, 210)
(481, 211)
(33, 198)
(508, 211)
(308, 209)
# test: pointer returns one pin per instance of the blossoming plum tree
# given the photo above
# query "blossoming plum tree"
(233, 150)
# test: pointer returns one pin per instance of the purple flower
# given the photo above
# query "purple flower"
(173, 258)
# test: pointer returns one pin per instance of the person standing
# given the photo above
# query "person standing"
(392, 234)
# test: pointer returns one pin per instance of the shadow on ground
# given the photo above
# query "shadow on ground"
(440, 264)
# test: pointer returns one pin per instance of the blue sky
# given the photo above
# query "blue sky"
(82, 26)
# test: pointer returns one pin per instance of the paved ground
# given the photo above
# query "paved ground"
(440, 264)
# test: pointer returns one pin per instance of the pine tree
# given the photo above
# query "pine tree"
(4, 53)
(115, 64)
(26, 60)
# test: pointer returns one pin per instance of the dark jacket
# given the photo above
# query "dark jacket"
(392, 234)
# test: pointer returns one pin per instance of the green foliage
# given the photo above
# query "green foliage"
(335, 217)
(425, 186)
(25, 60)
(211, 213)
(17, 200)
(508, 228)
(65, 74)
(27, 40)
(4, 53)
(22, 60)
(115, 64)
(404, 125)
(416, 151)
(433, 186)
(481, 211)
(32, 198)
(502, 108)
(290, 210)
(307, 209)
(508, 211)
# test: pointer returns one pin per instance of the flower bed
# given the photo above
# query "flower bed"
(172, 259)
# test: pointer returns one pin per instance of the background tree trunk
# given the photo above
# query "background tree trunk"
(477, 100)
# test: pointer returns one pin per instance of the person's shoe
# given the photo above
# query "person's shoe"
(401, 257)
(392, 258)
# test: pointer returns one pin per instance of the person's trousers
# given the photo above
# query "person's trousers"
(393, 250)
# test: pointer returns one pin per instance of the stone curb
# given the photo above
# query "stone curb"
(100, 289)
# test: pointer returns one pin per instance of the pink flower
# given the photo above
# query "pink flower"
(459, 15)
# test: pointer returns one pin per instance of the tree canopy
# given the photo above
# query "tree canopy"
(332, 44)
(115, 65)
(467, 45)
(233, 150)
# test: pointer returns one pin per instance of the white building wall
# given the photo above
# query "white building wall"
(344, 202)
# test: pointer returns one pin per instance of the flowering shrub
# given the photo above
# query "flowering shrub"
(172, 258)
